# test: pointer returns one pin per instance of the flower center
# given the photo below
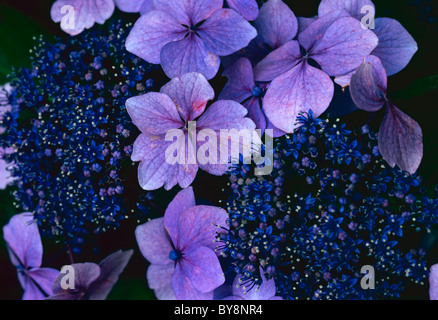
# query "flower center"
(256, 91)
(174, 255)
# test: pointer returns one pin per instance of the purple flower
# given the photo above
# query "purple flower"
(142, 6)
(92, 281)
(433, 282)
(173, 109)
(337, 42)
(266, 291)
(26, 251)
(396, 46)
(189, 35)
(180, 247)
(84, 15)
(247, 8)
(242, 88)
(6, 177)
(400, 137)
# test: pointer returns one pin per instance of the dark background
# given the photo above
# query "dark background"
(21, 20)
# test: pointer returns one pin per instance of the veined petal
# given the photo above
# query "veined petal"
(240, 81)
(301, 89)
(247, 8)
(189, 55)
(154, 241)
(354, 7)
(189, 12)
(183, 287)
(160, 280)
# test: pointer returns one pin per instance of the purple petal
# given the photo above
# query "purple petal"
(31, 291)
(351, 6)
(344, 46)
(278, 62)
(202, 267)
(188, 55)
(226, 32)
(255, 52)
(232, 298)
(6, 177)
(396, 46)
(142, 6)
(189, 12)
(197, 226)
(24, 242)
(315, 31)
(304, 22)
(151, 33)
(433, 281)
(183, 287)
(184, 200)
(240, 81)
(400, 140)
(276, 23)
(299, 90)
(86, 13)
(110, 269)
(44, 278)
(276, 133)
(154, 113)
(160, 280)
(345, 79)
(190, 93)
(85, 274)
(368, 85)
(154, 171)
(266, 291)
(256, 114)
(154, 242)
(247, 8)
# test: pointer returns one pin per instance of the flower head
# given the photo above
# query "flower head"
(180, 247)
(26, 252)
(188, 36)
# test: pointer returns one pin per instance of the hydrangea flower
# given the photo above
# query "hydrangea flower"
(188, 36)
(337, 42)
(242, 88)
(396, 46)
(92, 281)
(84, 15)
(180, 247)
(6, 177)
(179, 102)
(266, 291)
(142, 6)
(433, 282)
(400, 137)
(25, 250)
(70, 111)
(323, 213)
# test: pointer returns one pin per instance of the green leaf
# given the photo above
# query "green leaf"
(16, 34)
(417, 88)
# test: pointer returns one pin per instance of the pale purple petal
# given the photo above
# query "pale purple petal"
(276, 133)
(154, 242)
(160, 280)
(315, 31)
(400, 140)
(44, 278)
(202, 267)
(31, 291)
(225, 32)
(299, 90)
(154, 113)
(85, 274)
(190, 93)
(278, 62)
(256, 114)
(197, 226)
(368, 85)
(110, 269)
(24, 242)
(183, 287)
(6, 177)
(354, 7)
(184, 200)
(276, 23)
(396, 46)
(345, 79)
(142, 6)
(188, 55)
(266, 291)
(255, 52)
(433, 282)
(247, 8)
(240, 81)
(304, 22)
(189, 12)
(343, 46)
(154, 171)
(86, 13)
(151, 33)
